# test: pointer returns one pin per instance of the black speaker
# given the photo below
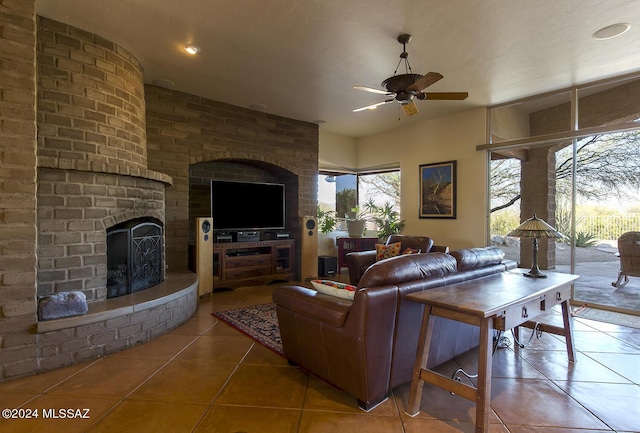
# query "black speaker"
(327, 266)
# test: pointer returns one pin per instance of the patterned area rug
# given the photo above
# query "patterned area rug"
(259, 322)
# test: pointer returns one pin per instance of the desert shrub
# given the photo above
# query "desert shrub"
(584, 239)
(563, 222)
(503, 221)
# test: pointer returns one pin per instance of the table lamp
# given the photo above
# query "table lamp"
(535, 228)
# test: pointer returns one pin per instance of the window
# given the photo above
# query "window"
(340, 192)
(572, 156)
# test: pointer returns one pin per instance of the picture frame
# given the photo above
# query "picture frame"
(438, 184)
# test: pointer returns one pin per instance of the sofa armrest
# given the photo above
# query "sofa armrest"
(357, 356)
(439, 249)
(358, 262)
(309, 303)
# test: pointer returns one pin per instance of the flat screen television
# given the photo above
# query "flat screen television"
(247, 205)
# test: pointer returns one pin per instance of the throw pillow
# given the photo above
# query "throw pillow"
(411, 251)
(334, 288)
(386, 251)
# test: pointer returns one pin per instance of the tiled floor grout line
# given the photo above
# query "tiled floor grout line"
(226, 382)
(125, 398)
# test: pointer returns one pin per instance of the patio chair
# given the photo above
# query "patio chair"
(629, 251)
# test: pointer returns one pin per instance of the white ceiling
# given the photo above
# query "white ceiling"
(301, 58)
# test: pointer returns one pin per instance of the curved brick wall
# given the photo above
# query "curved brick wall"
(91, 109)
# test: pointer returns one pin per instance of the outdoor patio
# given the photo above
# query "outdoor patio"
(598, 267)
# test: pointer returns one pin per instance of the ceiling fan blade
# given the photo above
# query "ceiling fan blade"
(443, 96)
(373, 106)
(372, 90)
(425, 81)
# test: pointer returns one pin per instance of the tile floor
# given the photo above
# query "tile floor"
(205, 376)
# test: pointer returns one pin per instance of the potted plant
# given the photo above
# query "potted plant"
(326, 220)
(386, 218)
(356, 222)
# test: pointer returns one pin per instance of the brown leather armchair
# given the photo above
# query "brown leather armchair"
(359, 262)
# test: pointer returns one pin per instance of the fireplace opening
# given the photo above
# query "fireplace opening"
(134, 256)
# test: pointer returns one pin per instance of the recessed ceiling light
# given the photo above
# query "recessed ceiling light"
(611, 31)
(163, 82)
(191, 49)
(258, 107)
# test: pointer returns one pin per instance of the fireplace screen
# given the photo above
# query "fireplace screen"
(134, 256)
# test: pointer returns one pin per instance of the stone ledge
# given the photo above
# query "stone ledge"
(79, 165)
(175, 286)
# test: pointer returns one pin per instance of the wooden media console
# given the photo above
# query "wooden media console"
(241, 263)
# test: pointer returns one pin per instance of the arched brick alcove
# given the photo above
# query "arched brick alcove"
(184, 130)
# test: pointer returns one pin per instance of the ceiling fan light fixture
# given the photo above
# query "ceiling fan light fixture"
(612, 31)
(191, 49)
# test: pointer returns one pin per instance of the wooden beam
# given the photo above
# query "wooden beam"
(521, 154)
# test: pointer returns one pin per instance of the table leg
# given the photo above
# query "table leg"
(422, 354)
(483, 393)
(568, 330)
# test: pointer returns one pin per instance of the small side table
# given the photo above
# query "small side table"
(349, 245)
(501, 301)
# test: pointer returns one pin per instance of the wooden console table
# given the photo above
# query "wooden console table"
(502, 301)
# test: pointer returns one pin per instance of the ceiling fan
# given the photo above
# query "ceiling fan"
(403, 88)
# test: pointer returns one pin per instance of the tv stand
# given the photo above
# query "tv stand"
(243, 263)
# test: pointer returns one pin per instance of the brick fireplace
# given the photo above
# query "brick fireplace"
(104, 149)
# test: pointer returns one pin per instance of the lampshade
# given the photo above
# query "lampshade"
(535, 228)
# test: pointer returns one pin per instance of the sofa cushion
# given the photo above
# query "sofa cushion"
(407, 267)
(473, 258)
(387, 251)
(334, 288)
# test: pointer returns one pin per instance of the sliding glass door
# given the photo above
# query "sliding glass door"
(606, 206)
(574, 157)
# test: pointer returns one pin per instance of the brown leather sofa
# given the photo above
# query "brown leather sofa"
(367, 346)
(359, 262)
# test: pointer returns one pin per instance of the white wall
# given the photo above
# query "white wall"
(449, 138)
(336, 151)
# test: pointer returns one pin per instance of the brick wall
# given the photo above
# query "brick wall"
(90, 102)
(92, 155)
(597, 109)
(74, 210)
(17, 187)
(184, 129)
